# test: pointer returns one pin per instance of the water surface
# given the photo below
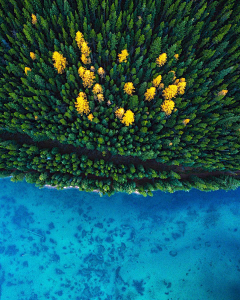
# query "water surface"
(75, 245)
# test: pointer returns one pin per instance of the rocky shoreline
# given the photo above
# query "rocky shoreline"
(77, 187)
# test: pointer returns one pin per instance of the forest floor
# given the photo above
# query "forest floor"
(184, 172)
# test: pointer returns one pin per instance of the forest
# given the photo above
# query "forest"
(120, 96)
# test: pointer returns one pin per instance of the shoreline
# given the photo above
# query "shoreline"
(77, 187)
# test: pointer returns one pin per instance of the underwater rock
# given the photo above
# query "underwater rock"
(22, 217)
(99, 225)
(173, 253)
(139, 286)
(51, 226)
(11, 250)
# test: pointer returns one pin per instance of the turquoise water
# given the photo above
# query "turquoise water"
(75, 245)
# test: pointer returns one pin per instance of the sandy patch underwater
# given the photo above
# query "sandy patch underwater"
(75, 245)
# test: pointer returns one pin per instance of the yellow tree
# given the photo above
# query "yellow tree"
(100, 97)
(97, 89)
(170, 92)
(79, 39)
(128, 118)
(81, 71)
(82, 105)
(34, 19)
(60, 62)
(186, 121)
(222, 92)
(27, 69)
(119, 113)
(161, 60)
(90, 117)
(88, 78)
(123, 56)
(150, 93)
(101, 72)
(168, 106)
(85, 60)
(129, 88)
(32, 55)
(156, 82)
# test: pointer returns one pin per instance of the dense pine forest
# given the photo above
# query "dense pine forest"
(135, 95)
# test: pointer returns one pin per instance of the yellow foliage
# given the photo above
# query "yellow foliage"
(27, 69)
(88, 78)
(181, 87)
(32, 55)
(182, 80)
(186, 121)
(34, 19)
(101, 72)
(161, 60)
(82, 105)
(92, 69)
(176, 81)
(156, 82)
(97, 89)
(176, 56)
(79, 39)
(170, 92)
(129, 88)
(161, 86)
(90, 117)
(82, 94)
(86, 60)
(81, 71)
(222, 92)
(168, 106)
(123, 56)
(119, 112)
(85, 49)
(128, 118)
(36, 117)
(150, 93)
(100, 97)
(60, 62)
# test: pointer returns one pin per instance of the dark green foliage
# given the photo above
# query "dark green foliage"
(40, 105)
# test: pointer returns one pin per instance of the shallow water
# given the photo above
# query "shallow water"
(75, 245)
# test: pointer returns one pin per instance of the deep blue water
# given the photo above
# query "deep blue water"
(75, 245)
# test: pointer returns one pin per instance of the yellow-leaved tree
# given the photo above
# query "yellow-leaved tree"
(88, 78)
(79, 39)
(161, 60)
(101, 72)
(129, 88)
(123, 56)
(170, 92)
(82, 104)
(34, 19)
(186, 121)
(90, 117)
(168, 106)
(128, 118)
(60, 62)
(27, 69)
(119, 113)
(150, 93)
(97, 89)
(32, 55)
(222, 92)
(156, 82)
(81, 71)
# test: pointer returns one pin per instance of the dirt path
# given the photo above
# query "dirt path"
(117, 159)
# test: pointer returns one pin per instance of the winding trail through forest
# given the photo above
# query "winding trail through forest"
(184, 172)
